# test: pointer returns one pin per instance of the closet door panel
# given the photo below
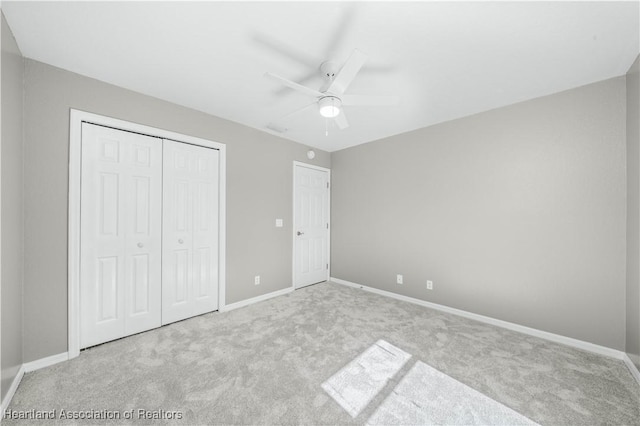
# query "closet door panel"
(190, 231)
(177, 229)
(120, 210)
(143, 265)
(205, 238)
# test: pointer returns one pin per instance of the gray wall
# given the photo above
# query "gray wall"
(518, 213)
(633, 213)
(259, 190)
(12, 212)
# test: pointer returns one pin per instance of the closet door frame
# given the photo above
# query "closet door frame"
(76, 119)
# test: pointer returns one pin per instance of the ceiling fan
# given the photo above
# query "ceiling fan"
(331, 97)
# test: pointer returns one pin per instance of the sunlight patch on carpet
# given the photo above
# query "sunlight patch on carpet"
(355, 385)
(426, 396)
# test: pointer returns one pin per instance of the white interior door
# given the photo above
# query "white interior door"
(311, 225)
(190, 231)
(120, 260)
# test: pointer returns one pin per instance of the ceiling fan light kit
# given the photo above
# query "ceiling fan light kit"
(329, 106)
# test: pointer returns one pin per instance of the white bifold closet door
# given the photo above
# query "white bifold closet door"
(121, 234)
(190, 231)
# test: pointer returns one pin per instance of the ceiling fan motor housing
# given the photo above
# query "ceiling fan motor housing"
(329, 69)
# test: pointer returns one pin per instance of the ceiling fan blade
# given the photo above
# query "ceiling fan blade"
(286, 50)
(279, 126)
(369, 100)
(341, 120)
(300, 88)
(302, 80)
(343, 29)
(299, 110)
(348, 72)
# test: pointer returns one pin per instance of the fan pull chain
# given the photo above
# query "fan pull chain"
(326, 120)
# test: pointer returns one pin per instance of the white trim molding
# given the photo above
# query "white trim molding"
(632, 367)
(11, 392)
(45, 362)
(76, 118)
(569, 341)
(27, 368)
(256, 299)
(2, 406)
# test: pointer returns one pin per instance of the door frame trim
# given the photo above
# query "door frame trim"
(293, 220)
(76, 118)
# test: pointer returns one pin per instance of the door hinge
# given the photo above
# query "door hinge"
(327, 266)
(327, 226)
(327, 185)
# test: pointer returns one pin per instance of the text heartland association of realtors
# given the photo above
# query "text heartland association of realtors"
(139, 414)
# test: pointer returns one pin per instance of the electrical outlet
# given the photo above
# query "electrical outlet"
(256, 279)
(429, 285)
(279, 223)
(399, 279)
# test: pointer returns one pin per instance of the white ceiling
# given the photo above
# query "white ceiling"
(443, 59)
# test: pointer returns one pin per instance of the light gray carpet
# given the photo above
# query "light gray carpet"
(426, 396)
(357, 383)
(266, 363)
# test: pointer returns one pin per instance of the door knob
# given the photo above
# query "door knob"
(140, 245)
(300, 233)
(181, 241)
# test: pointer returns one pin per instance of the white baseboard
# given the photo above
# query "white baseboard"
(27, 368)
(12, 391)
(569, 341)
(45, 362)
(632, 368)
(256, 299)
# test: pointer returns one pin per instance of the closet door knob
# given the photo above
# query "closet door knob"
(140, 245)
(181, 241)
